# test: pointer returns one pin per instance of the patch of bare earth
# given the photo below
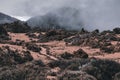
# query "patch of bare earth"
(19, 36)
(56, 48)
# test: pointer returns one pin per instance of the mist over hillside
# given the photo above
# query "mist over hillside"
(65, 17)
(94, 14)
(103, 15)
(6, 19)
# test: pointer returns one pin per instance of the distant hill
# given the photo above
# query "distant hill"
(6, 18)
(66, 17)
(46, 21)
(16, 27)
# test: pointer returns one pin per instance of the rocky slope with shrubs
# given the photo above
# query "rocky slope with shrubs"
(58, 54)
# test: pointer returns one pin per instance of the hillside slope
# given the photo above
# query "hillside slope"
(6, 18)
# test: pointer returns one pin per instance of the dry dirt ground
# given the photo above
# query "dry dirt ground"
(54, 48)
(52, 51)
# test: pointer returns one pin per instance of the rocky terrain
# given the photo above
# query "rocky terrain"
(58, 54)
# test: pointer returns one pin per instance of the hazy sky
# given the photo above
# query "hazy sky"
(94, 12)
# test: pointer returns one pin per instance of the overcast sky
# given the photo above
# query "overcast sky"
(31, 7)
(97, 12)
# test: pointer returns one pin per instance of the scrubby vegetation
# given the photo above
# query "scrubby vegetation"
(96, 39)
(93, 69)
(33, 47)
(17, 27)
(3, 34)
(55, 35)
(10, 57)
(27, 62)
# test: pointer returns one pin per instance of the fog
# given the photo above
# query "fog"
(102, 14)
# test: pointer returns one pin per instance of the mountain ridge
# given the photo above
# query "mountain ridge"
(4, 18)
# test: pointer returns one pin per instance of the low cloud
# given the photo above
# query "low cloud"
(102, 14)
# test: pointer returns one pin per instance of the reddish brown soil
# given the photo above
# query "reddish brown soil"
(56, 48)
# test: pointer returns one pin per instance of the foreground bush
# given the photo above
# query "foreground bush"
(9, 57)
(102, 69)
